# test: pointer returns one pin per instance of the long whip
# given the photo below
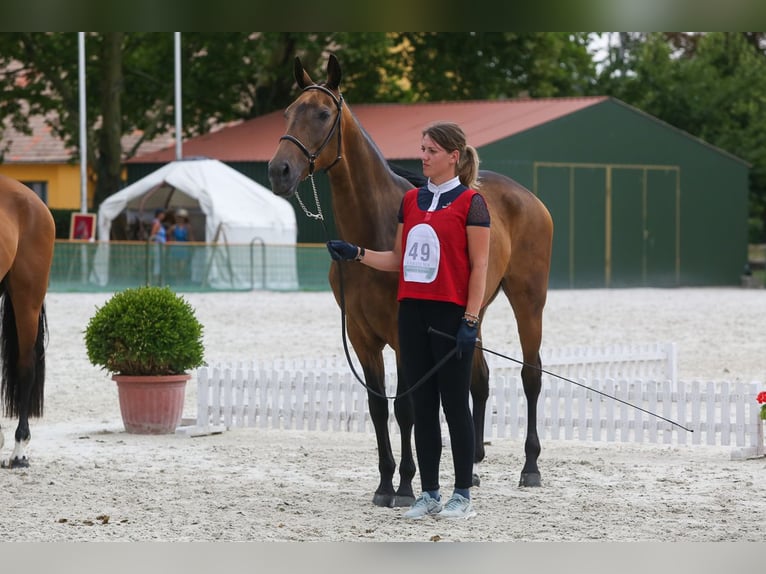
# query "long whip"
(485, 349)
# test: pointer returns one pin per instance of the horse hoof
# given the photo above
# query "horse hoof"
(16, 463)
(530, 479)
(475, 480)
(404, 500)
(385, 500)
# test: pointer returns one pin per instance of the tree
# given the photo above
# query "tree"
(130, 83)
(493, 65)
(711, 85)
(41, 78)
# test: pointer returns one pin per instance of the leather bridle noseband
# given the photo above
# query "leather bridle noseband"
(311, 157)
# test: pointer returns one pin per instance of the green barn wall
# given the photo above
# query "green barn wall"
(635, 202)
(706, 208)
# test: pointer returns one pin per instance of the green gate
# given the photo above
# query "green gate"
(615, 225)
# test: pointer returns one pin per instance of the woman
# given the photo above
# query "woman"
(158, 236)
(441, 251)
(180, 255)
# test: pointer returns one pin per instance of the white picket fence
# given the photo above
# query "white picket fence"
(311, 394)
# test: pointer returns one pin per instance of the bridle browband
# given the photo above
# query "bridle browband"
(311, 157)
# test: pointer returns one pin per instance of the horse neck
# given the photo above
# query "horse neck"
(365, 193)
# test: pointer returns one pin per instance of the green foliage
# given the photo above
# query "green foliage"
(490, 65)
(711, 85)
(145, 331)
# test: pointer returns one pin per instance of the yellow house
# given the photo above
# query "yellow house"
(42, 162)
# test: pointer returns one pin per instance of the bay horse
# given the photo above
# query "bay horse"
(27, 235)
(323, 133)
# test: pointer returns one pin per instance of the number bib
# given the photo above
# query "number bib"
(421, 254)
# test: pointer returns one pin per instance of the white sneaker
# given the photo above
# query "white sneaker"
(425, 505)
(457, 507)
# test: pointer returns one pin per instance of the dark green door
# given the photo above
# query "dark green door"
(661, 228)
(575, 196)
(589, 227)
(627, 229)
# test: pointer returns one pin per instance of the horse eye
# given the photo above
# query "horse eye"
(324, 114)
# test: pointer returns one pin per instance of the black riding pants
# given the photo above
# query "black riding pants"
(419, 352)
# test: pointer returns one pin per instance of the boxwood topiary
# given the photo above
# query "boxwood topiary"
(145, 331)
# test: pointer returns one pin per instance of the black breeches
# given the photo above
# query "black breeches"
(448, 388)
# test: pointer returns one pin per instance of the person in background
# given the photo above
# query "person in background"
(158, 235)
(441, 252)
(180, 255)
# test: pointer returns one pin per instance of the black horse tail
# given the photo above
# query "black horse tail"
(13, 381)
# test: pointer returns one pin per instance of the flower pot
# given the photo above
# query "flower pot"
(151, 404)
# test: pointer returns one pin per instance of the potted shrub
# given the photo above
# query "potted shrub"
(148, 338)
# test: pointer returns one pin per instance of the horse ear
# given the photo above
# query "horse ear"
(301, 77)
(333, 72)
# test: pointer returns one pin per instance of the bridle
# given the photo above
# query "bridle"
(311, 157)
(335, 127)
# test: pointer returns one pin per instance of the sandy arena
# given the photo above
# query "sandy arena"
(91, 481)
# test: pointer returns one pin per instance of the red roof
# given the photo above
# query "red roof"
(395, 128)
(42, 146)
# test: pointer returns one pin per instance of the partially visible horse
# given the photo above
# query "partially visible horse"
(322, 133)
(27, 235)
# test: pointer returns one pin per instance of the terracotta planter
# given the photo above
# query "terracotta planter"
(151, 404)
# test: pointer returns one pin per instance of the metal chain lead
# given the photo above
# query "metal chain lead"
(318, 215)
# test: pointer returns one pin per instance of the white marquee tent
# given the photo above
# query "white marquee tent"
(232, 209)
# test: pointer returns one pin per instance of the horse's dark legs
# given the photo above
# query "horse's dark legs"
(531, 378)
(479, 395)
(23, 352)
(405, 418)
(23, 435)
(385, 495)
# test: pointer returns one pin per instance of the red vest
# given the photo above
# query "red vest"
(435, 263)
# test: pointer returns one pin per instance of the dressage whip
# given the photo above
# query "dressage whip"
(448, 336)
(320, 217)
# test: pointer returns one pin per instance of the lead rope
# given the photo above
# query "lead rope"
(320, 217)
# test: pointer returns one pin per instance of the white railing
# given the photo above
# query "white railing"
(322, 393)
(715, 413)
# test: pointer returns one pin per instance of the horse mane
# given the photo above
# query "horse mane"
(416, 179)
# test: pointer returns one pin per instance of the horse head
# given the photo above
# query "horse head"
(313, 122)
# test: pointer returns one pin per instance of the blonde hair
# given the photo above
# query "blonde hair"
(451, 137)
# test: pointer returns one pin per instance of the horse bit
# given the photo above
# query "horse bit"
(311, 157)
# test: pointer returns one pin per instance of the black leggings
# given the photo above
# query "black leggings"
(419, 352)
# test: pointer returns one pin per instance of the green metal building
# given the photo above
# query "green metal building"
(635, 201)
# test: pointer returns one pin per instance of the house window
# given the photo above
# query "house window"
(40, 188)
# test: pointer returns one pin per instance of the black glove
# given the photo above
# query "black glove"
(342, 250)
(466, 338)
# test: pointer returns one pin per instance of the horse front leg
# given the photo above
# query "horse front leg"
(479, 396)
(384, 494)
(531, 378)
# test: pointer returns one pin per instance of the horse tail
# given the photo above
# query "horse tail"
(11, 382)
